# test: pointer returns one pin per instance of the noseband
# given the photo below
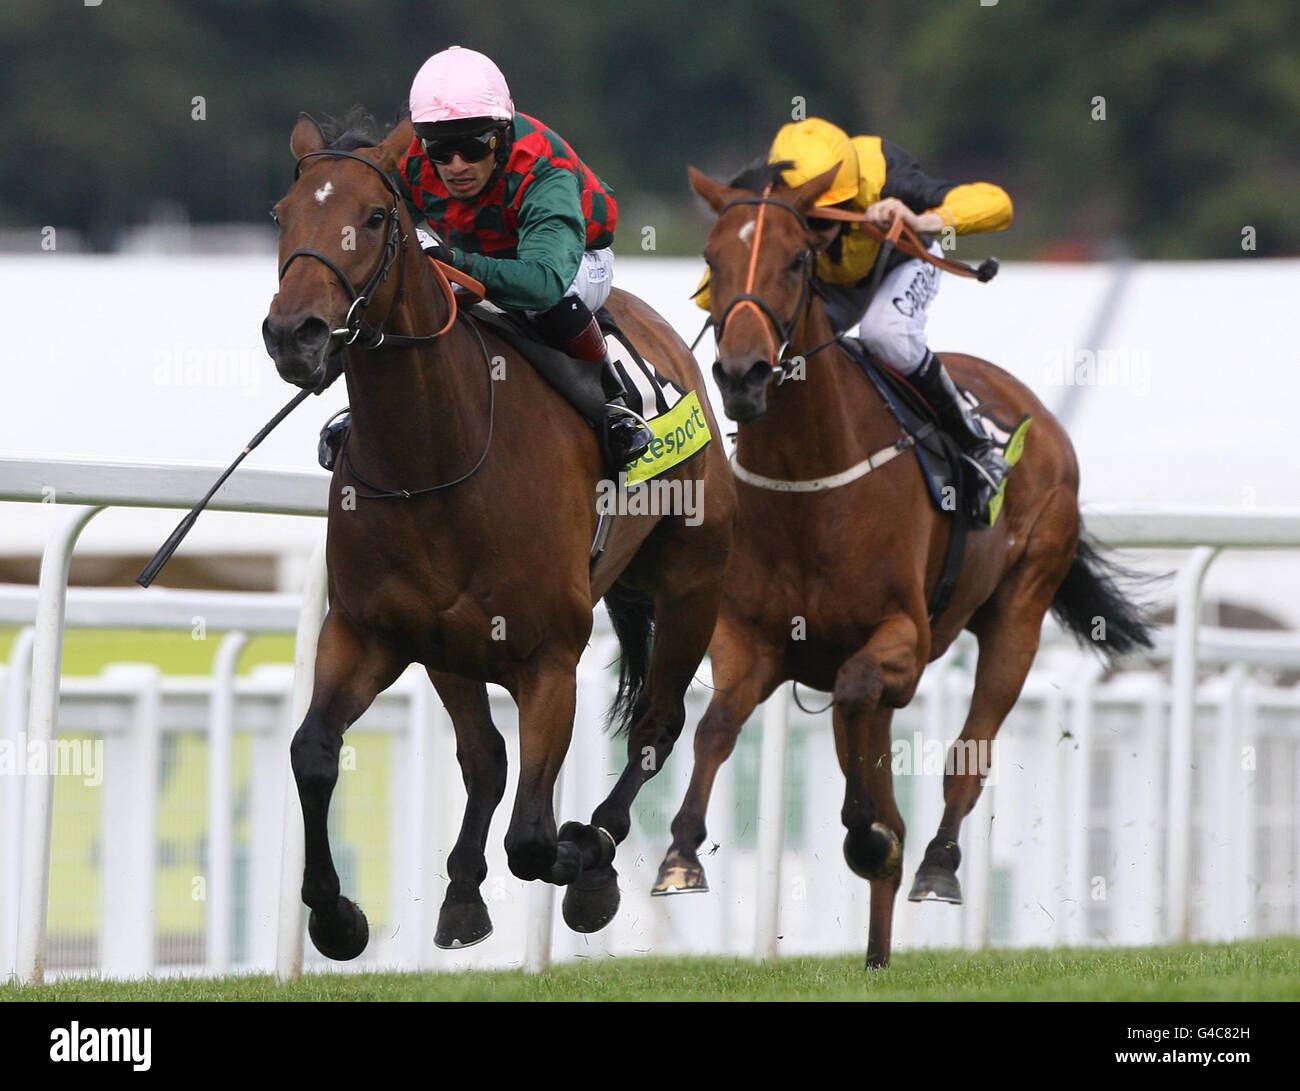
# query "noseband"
(779, 333)
(355, 330)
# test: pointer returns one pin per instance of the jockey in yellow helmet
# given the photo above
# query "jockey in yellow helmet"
(883, 181)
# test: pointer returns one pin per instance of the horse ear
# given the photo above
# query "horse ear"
(394, 145)
(806, 195)
(715, 193)
(306, 137)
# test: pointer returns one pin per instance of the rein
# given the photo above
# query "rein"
(899, 236)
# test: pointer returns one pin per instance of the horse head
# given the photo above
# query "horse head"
(760, 256)
(341, 232)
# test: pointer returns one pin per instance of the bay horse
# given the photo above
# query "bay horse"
(462, 511)
(829, 586)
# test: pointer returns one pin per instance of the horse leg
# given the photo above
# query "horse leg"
(888, 822)
(745, 672)
(683, 626)
(868, 686)
(1008, 629)
(351, 670)
(463, 919)
(547, 697)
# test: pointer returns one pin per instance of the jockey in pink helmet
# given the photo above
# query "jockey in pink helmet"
(511, 204)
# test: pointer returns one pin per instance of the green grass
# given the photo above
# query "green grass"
(1259, 970)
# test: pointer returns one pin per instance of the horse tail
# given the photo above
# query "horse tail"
(632, 614)
(1090, 604)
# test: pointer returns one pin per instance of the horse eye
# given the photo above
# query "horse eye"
(376, 218)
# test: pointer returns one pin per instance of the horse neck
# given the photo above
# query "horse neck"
(821, 424)
(417, 413)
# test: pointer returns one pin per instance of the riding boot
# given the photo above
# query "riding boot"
(955, 418)
(629, 435)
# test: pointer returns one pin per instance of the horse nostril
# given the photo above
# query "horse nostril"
(311, 332)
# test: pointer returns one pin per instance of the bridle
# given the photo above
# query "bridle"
(355, 331)
(779, 333)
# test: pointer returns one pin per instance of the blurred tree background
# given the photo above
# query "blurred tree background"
(1200, 137)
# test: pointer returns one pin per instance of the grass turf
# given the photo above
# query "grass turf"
(1257, 970)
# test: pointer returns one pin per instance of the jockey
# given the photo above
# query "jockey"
(882, 180)
(513, 206)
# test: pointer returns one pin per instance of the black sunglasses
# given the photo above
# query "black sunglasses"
(472, 149)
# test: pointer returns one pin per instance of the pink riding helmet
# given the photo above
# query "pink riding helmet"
(457, 84)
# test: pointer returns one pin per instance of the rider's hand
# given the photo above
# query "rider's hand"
(441, 252)
(883, 213)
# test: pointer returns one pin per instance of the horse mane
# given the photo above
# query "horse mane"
(760, 174)
(355, 129)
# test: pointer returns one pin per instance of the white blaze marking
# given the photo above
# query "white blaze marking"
(746, 231)
(324, 192)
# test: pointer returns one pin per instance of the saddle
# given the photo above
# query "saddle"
(673, 413)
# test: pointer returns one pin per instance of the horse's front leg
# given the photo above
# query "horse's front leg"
(463, 919)
(352, 668)
(868, 687)
(546, 692)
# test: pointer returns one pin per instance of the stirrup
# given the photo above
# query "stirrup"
(619, 407)
(987, 475)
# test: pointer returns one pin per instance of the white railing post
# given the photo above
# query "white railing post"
(221, 791)
(17, 686)
(1078, 882)
(771, 823)
(130, 826)
(291, 916)
(1245, 914)
(42, 727)
(1182, 720)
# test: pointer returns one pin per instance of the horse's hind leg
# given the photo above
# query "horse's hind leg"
(683, 626)
(1008, 629)
(463, 919)
(350, 671)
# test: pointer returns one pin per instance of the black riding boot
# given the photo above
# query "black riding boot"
(571, 327)
(935, 384)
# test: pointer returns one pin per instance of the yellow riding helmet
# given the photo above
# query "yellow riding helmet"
(815, 146)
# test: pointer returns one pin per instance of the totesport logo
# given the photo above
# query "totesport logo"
(679, 433)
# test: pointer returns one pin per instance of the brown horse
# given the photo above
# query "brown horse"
(461, 519)
(830, 587)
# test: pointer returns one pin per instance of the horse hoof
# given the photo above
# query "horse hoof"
(935, 884)
(591, 900)
(462, 924)
(341, 935)
(677, 875)
(877, 855)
